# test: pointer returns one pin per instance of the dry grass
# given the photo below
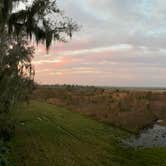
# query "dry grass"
(131, 110)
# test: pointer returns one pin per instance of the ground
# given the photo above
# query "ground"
(47, 135)
(130, 109)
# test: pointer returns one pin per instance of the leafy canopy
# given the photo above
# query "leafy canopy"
(39, 18)
(36, 19)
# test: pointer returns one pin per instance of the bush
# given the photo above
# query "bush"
(4, 150)
(6, 127)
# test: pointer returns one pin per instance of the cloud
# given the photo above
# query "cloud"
(121, 43)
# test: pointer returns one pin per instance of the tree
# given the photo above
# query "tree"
(41, 19)
(16, 71)
(38, 19)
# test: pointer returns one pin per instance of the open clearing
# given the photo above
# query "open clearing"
(47, 135)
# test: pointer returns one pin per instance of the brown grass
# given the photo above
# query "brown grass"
(131, 110)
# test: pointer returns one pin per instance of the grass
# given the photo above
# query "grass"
(47, 135)
(128, 109)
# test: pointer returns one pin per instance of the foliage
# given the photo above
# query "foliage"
(16, 71)
(131, 109)
(41, 19)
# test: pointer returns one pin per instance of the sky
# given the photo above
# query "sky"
(121, 43)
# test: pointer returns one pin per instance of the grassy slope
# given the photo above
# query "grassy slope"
(51, 136)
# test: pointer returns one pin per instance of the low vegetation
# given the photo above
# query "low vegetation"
(50, 135)
(128, 109)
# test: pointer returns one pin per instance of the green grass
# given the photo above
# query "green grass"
(50, 136)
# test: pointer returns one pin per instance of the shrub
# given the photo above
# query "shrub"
(6, 127)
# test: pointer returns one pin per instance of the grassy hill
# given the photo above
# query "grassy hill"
(47, 135)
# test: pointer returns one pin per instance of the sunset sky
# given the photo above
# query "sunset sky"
(121, 43)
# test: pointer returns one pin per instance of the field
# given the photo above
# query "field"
(129, 109)
(47, 135)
